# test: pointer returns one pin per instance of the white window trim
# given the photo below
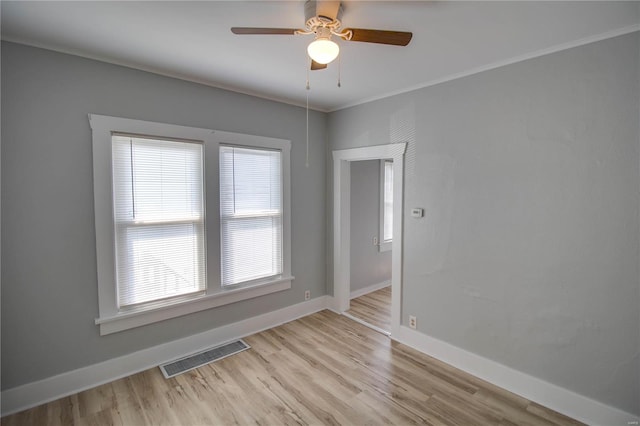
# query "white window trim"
(110, 319)
(382, 244)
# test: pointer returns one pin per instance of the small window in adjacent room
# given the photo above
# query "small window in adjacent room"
(386, 204)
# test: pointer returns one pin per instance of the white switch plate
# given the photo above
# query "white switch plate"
(417, 212)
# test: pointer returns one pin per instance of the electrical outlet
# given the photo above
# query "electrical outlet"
(375, 241)
(413, 322)
(307, 295)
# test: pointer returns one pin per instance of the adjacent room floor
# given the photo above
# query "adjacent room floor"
(321, 369)
(373, 308)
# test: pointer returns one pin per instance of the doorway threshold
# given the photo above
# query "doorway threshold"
(366, 324)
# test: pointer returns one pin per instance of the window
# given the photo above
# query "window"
(158, 212)
(250, 214)
(386, 204)
(159, 255)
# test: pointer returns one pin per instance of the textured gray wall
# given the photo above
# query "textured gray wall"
(528, 253)
(49, 284)
(368, 265)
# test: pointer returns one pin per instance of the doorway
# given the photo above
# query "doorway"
(342, 160)
(371, 236)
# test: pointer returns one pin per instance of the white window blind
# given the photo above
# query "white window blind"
(250, 214)
(158, 219)
(387, 211)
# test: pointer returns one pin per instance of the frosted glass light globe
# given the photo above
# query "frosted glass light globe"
(323, 50)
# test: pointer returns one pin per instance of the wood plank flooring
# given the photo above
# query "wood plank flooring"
(373, 308)
(321, 369)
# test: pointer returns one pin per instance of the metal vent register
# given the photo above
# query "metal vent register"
(190, 362)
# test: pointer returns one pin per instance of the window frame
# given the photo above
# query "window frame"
(383, 245)
(111, 319)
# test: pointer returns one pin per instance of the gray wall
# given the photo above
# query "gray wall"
(529, 175)
(369, 266)
(49, 284)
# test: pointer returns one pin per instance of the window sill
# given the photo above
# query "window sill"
(126, 320)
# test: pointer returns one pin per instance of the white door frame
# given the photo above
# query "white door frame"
(342, 223)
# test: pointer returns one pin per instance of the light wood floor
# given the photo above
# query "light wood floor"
(373, 308)
(321, 369)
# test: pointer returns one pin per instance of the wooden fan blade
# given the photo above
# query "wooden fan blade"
(276, 31)
(316, 66)
(328, 8)
(396, 38)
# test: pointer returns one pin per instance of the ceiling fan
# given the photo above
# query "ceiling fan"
(323, 20)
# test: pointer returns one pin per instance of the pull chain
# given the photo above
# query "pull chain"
(308, 67)
(339, 69)
(308, 87)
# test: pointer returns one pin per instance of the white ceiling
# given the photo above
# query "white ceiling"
(192, 40)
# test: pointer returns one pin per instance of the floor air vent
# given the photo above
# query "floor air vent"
(190, 362)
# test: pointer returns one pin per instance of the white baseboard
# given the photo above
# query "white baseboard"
(559, 399)
(555, 397)
(332, 305)
(369, 289)
(52, 388)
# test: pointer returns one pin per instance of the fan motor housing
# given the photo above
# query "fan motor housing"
(311, 15)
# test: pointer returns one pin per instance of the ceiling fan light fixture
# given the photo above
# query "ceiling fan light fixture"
(323, 50)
